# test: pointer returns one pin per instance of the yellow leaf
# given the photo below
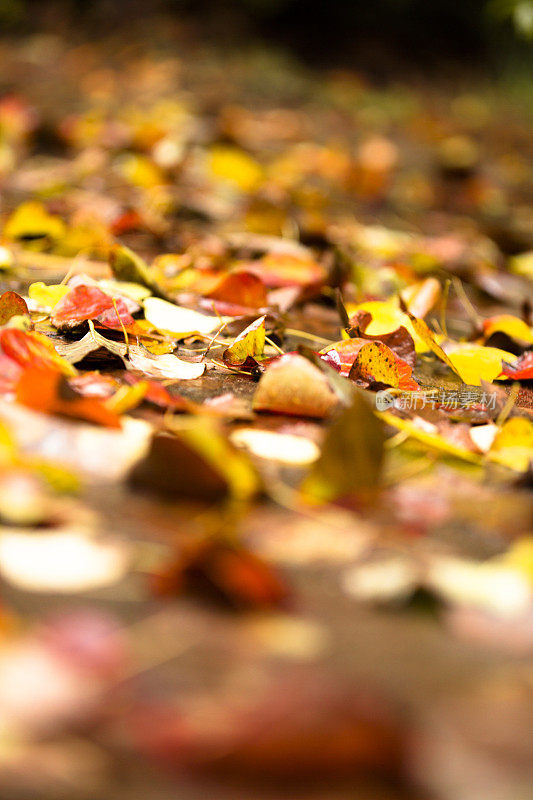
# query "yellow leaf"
(32, 220)
(127, 397)
(47, 295)
(140, 171)
(513, 326)
(522, 264)
(516, 431)
(520, 557)
(428, 337)
(250, 343)
(427, 438)
(7, 445)
(387, 316)
(375, 361)
(474, 363)
(513, 445)
(236, 167)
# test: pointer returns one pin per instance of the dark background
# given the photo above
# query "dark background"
(377, 34)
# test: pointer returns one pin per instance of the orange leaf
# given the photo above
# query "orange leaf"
(223, 572)
(279, 270)
(241, 289)
(47, 390)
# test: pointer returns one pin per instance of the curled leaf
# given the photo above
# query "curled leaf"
(521, 370)
(178, 321)
(165, 365)
(249, 344)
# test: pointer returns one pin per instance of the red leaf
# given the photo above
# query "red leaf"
(28, 348)
(341, 355)
(159, 394)
(82, 303)
(110, 319)
(522, 370)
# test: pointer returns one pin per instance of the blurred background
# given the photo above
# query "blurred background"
(399, 129)
(381, 35)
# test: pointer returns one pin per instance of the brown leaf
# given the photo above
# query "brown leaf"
(223, 572)
(12, 305)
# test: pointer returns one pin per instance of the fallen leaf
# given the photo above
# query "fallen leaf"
(513, 326)
(47, 295)
(428, 437)
(178, 321)
(475, 363)
(292, 385)
(30, 349)
(249, 344)
(80, 304)
(279, 270)
(240, 288)
(351, 458)
(387, 316)
(165, 365)
(31, 220)
(198, 462)
(421, 297)
(376, 362)
(225, 573)
(521, 370)
(48, 390)
(12, 305)
(235, 167)
(128, 267)
(283, 447)
(513, 444)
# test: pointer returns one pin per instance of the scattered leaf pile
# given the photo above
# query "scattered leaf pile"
(249, 334)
